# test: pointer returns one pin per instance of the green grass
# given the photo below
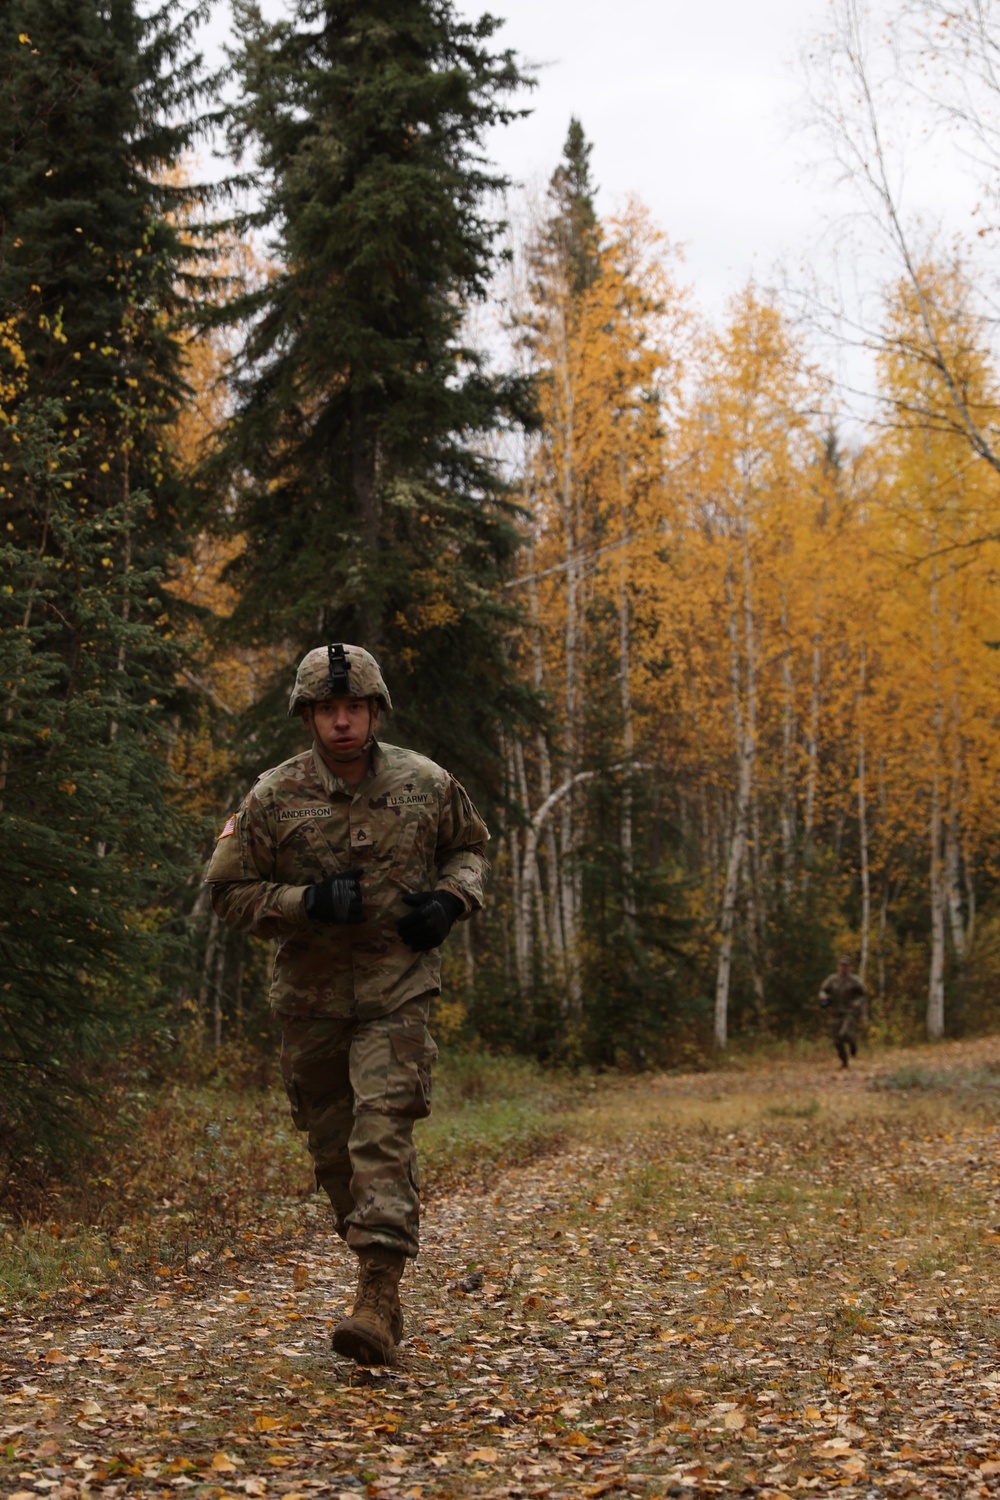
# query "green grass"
(491, 1112)
(217, 1171)
(966, 1084)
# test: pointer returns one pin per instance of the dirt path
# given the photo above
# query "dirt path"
(757, 1283)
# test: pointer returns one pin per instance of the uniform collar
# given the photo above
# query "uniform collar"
(332, 784)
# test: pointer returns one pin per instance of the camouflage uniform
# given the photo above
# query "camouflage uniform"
(846, 998)
(353, 1001)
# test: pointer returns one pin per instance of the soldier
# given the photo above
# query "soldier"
(845, 995)
(357, 857)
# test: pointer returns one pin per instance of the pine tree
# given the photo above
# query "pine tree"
(92, 265)
(370, 507)
(93, 242)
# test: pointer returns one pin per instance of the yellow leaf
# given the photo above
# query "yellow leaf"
(266, 1424)
(734, 1421)
(54, 1356)
(482, 1456)
(223, 1464)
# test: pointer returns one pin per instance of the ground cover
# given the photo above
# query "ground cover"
(760, 1281)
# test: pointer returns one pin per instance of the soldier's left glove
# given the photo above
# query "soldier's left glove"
(430, 923)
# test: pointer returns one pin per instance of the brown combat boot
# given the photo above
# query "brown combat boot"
(375, 1325)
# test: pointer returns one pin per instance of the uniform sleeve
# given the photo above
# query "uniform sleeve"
(243, 895)
(460, 855)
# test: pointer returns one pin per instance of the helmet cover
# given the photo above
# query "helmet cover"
(338, 671)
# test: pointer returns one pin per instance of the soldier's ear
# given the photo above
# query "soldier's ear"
(304, 715)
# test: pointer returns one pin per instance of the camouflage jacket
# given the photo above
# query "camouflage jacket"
(409, 826)
(843, 995)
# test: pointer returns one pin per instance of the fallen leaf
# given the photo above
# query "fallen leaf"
(482, 1456)
(300, 1277)
(54, 1356)
(734, 1421)
(223, 1464)
(266, 1424)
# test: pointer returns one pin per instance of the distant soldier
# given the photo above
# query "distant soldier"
(846, 998)
(358, 857)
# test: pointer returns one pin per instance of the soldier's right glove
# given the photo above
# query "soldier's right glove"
(429, 924)
(335, 899)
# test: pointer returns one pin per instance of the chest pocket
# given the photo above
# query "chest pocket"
(309, 848)
(400, 850)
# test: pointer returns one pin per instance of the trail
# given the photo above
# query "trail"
(759, 1283)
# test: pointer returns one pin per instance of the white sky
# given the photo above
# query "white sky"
(688, 108)
(692, 107)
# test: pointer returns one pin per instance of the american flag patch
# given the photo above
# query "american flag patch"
(229, 829)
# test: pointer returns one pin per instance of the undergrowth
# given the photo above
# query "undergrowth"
(215, 1171)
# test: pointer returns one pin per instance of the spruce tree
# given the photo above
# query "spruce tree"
(572, 237)
(371, 506)
(92, 266)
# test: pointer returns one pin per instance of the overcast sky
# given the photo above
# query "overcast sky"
(688, 107)
(692, 108)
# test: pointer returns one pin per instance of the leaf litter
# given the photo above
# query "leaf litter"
(764, 1283)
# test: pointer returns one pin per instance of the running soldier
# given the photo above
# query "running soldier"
(846, 998)
(357, 857)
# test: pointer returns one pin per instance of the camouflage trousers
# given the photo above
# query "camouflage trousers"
(356, 1087)
(844, 1033)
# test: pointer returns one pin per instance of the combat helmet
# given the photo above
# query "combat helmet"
(338, 671)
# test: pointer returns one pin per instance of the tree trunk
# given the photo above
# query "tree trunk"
(208, 966)
(812, 749)
(368, 508)
(935, 986)
(935, 989)
(628, 748)
(866, 889)
(743, 738)
(217, 993)
(787, 773)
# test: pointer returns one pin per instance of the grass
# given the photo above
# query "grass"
(217, 1172)
(971, 1085)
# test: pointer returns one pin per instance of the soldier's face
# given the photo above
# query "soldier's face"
(842, 969)
(343, 724)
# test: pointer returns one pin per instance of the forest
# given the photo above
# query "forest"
(717, 661)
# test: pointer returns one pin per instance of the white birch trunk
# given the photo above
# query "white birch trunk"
(787, 778)
(935, 985)
(812, 748)
(935, 988)
(573, 991)
(745, 749)
(866, 888)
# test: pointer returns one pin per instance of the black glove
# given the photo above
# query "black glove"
(431, 922)
(335, 899)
